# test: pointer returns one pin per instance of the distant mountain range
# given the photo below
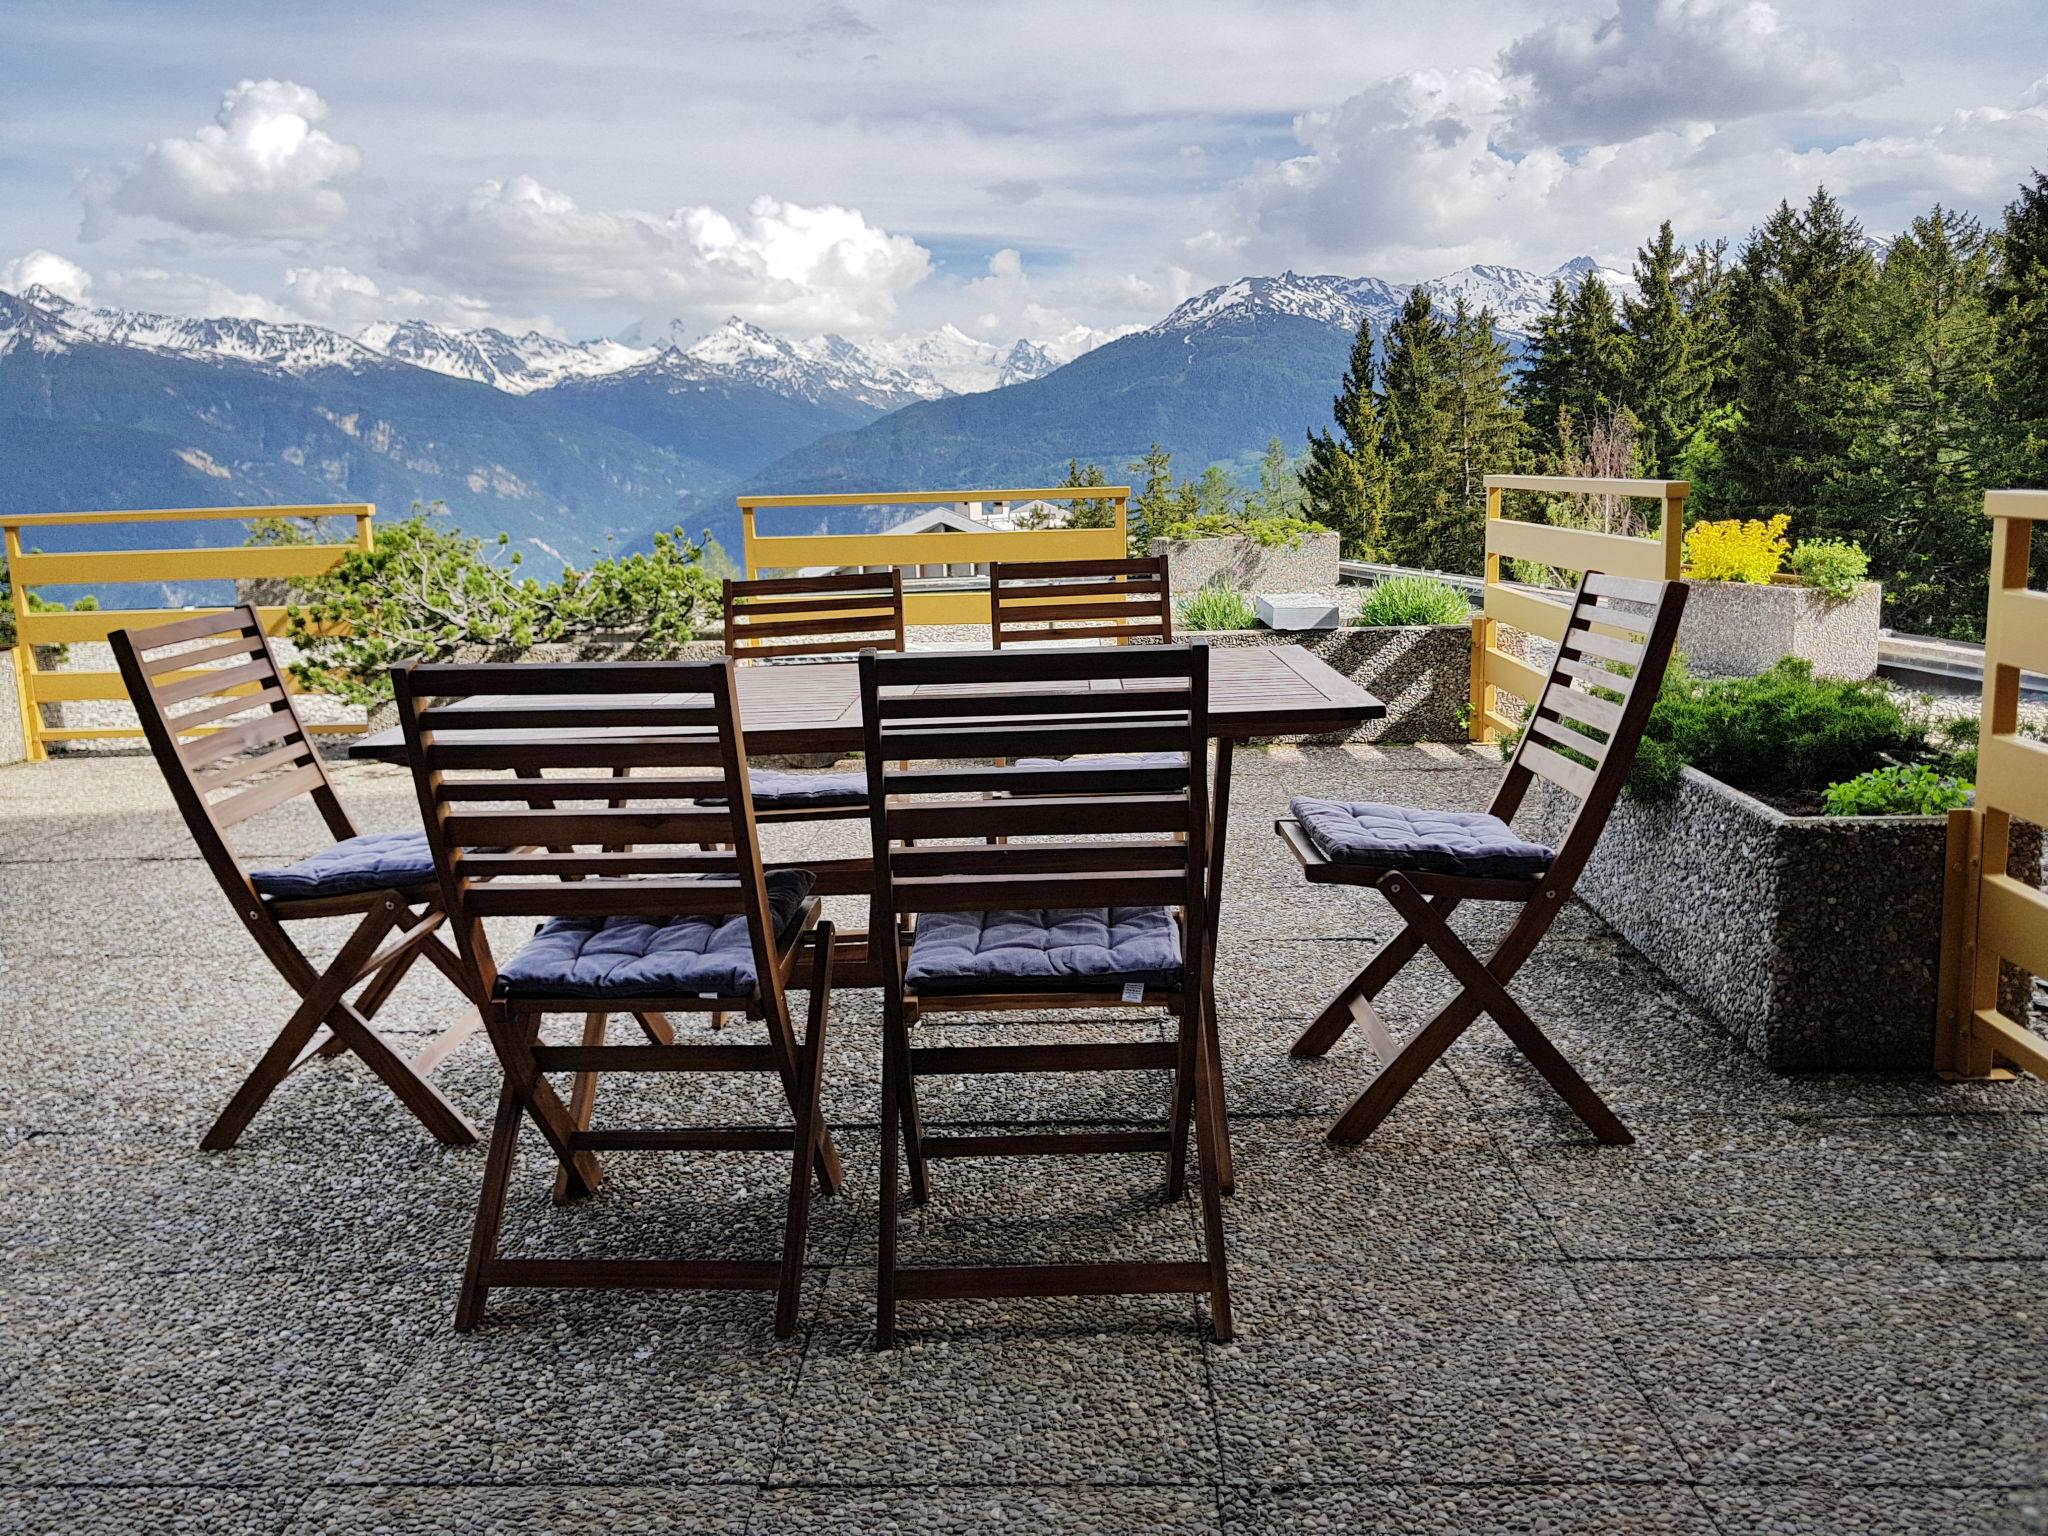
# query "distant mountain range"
(571, 446)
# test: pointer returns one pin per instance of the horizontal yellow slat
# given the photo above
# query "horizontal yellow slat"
(246, 561)
(176, 515)
(1500, 723)
(935, 498)
(2012, 922)
(1512, 675)
(1574, 549)
(98, 623)
(946, 607)
(2020, 1046)
(2012, 775)
(125, 732)
(787, 552)
(1536, 615)
(2032, 505)
(56, 687)
(1574, 485)
(2017, 632)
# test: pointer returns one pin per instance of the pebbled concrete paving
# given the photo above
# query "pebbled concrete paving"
(1798, 1305)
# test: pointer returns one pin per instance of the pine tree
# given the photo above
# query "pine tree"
(1666, 381)
(1487, 436)
(1153, 507)
(1280, 492)
(1344, 481)
(1595, 350)
(1797, 305)
(1418, 431)
(1545, 383)
(1087, 513)
(1928, 428)
(2018, 303)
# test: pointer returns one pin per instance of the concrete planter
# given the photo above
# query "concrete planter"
(1423, 673)
(1814, 940)
(1738, 629)
(11, 747)
(1236, 562)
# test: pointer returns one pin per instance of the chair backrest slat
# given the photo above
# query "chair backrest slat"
(193, 681)
(836, 615)
(538, 847)
(1040, 602)
(1099, 837)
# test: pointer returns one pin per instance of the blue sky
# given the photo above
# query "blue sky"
(1043, 168)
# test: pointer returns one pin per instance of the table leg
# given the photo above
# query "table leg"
(1212, 1065)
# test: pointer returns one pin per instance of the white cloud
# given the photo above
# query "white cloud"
(1007, 301)
(348, 300)
(1658, 63)
(67, 279)
(782, 265)
(184, 293)
(260, 170)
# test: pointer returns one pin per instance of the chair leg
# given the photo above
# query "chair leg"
(811, 1077)
(656, 1027)
(1387, 963)
(891, 1193)
(1208, 1146)
(896, 1068)
(582, 1097)
(490, 1209)
(317, 999)
(1181, 1115)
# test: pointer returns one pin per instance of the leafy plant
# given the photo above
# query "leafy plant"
(1267, 532)
(1959, 739)
(1903, 789)
(1407, 600)
(1736, 550)
(425, 591)
(1784, 732)
(1831, 567)
(1217, 608)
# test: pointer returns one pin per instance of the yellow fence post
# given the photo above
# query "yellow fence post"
(1671, 527)
(25, 655)
(1485, 703)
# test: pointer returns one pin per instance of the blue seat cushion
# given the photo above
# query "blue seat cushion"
(1112, 760)
(778, 791)
(1075, 949)
(1403, 837)
(375, 861)
(592, 957)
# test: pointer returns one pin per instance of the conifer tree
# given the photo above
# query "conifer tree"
(1545, 383)
(1086, 513)
(2018, 301)
(1666, 381)
(1487, 436)
(1280, 492)
(1344, 481)
(1595, 349)
(1797, 304)
(1418, 431)
(1152, 507)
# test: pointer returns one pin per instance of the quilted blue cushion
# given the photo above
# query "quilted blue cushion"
(375, 861)
(1112, 760)
(649, 956)
(777, 791)
(1402, 837)
(1086, 949)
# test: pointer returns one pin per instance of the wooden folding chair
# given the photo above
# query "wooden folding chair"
(229, 740)
(1040, 601)
(1581, 737)
(669, 924)
(1110, 911)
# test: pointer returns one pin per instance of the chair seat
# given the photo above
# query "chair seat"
(1405, 837)
(375, 861)
(775, 790)
(625, 957)
(1106, 760)
(1085, 949)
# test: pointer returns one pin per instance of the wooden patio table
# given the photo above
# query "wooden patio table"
(1254, 692)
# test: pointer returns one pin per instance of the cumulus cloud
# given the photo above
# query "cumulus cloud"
(1657, 63)
(1008, 301)
(184, 293)
(259, 170)
(348, 300)
(46, 269)
(781, 265)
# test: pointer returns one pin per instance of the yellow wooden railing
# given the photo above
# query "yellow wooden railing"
(856, 551)
(27, 568)
(1987, 915)
(1494, 671)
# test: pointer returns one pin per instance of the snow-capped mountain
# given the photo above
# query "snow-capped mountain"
(516, 364)
(289, 346)
(820, 370)
(964, 365)
(1515, 297)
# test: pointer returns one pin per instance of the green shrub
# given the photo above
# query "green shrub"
(1268, 532)
(1217, 608)
(1905, 789)
(1785, 732)
(1413, 600)
(1958, 736)
(1832, 567)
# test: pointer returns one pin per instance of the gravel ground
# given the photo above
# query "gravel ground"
(1798, 1304)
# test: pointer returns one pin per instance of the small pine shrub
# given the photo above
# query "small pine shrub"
(1831, 567)
(1906, 789)
(1217, 608)
(1407, 600)
(1736, 551)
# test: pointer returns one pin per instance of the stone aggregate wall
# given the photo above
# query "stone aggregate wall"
(1815, 941)
(1422, 673)
(11, 748)
(1242, 566)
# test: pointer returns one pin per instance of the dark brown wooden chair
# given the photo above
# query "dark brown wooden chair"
(1581, 737)
(229, 740)
(1046, 601)
(645, 917)
(1108, 910)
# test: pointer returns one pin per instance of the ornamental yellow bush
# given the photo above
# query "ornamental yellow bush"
(1736, 551)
